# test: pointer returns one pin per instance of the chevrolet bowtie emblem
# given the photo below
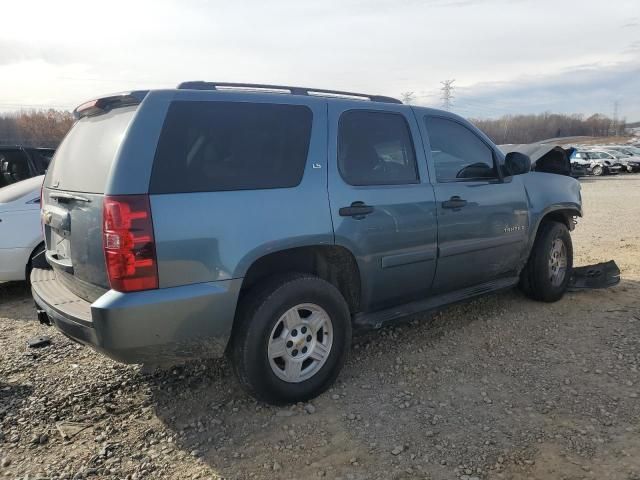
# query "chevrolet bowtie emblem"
(46, 217)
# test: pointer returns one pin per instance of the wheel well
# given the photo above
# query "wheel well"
(334, 264)
(564, 216)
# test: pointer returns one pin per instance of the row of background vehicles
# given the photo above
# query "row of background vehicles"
(605, 159)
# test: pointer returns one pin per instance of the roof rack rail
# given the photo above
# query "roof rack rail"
(201, 85)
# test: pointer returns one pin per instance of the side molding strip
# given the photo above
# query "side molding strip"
(410, 257)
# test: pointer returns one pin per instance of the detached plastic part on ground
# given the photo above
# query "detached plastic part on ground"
(39, 341)
(600, 275)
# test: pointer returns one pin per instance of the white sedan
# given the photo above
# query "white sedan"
(21, 243)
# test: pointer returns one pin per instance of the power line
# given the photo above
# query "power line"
(447, 93)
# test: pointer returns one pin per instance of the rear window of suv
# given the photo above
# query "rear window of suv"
(215, 146)
(83, 161)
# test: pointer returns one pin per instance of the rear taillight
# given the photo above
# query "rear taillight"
(129, 246)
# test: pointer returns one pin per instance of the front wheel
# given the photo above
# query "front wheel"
(546, 275)
(291, 338)
(598, 171)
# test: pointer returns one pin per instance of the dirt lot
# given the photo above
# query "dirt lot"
(502, 387)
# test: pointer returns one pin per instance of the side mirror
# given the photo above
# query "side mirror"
(517, 163)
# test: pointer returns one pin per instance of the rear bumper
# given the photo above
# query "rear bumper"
(168, 325)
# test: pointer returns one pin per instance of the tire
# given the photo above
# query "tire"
(537, 279)
(262, 330)
(598, 171)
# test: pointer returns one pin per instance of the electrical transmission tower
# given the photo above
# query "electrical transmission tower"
(447, 93)
(615, 118)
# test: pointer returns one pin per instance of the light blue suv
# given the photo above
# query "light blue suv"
(267, 222)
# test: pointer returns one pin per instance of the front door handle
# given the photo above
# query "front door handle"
(357, 210)
(454, 202)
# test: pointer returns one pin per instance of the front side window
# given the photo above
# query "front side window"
(375, 148)
(217, 146)
(458, 153)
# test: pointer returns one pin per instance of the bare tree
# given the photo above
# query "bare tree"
(42, 128)
(407, 97)
(534, 128)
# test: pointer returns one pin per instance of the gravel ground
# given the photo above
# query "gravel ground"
(502, 387)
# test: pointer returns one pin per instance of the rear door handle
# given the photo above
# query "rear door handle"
(357, 210)
(454, 202)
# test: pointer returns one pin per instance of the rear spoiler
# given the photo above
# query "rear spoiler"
(105, 104)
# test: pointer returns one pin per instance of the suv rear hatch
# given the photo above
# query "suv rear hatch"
(73, 194)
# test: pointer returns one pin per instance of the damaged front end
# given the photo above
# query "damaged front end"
(548, 158)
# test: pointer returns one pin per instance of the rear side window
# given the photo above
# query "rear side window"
(214, 146)
(83, 161)
(458, 154)
(375, 148)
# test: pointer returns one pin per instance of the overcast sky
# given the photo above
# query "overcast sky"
(507, 56)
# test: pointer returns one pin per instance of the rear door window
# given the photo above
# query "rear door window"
(217, 146)
(375, 148)
(83, 161)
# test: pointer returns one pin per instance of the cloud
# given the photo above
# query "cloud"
(379, 46)
(580, 89)
(13, 51)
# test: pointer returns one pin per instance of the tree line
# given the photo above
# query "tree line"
(46, 128)
(534, 128)
(35, 128)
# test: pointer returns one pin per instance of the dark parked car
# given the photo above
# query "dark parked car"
(19, 163)
(232, 219)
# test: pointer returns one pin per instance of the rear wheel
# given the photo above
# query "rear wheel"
(291, 338)
(597, 171)
(546, 275)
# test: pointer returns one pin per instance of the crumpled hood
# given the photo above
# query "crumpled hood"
(545, 157)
